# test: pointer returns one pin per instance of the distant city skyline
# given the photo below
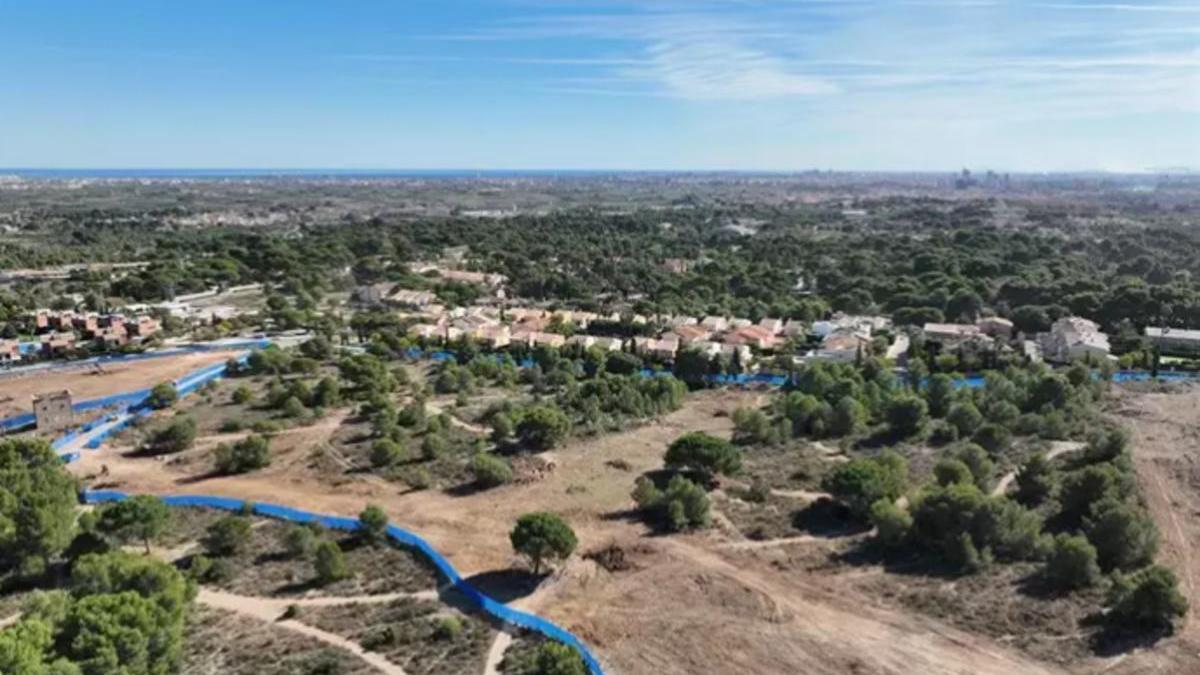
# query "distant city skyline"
(602, 85)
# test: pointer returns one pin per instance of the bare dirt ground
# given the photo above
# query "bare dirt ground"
(472, 529)
(695, 603)
(16, 393)
(1166, 441)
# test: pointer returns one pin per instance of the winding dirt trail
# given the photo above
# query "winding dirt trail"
(269, 610)
(1059, 448)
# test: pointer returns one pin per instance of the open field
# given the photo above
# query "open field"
(780, 606)
(16, 393)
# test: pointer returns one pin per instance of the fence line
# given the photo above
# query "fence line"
(401, 536)
(25, 420)
(132, 406)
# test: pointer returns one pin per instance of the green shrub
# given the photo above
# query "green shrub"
(415, 477)
(1148, 599)
(433, 446)
(177, 436)
(372, 524)
(385, 452)
(645, 494)
(892, 523)
(907, 415)
(977, 461)
(860, 483)
(1087, 486)
(447, 628)
(951, 471)
(299, 541)
(248, 454)
(1105, 445)
(227, 536)
(1072, 563)
(265, 427)
(1036, 480)
(163, 395)
(751, 426)
(943, 433)
(329, 563)
(965, 418)
(993, 438)
(558, 659)
(1125, 537)
(683, 505)
(543, 427)
(490, 471)
(704, 454)
(293, 408)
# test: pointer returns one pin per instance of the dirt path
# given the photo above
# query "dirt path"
(806, 495)
(323, 427)
(1166, 454)
(1058, 448)
(10, 620)
(437, 408)
(750, 545)
(268, 611)
(496, 653)
(877, 635)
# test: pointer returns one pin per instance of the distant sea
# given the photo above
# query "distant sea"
(326, 173)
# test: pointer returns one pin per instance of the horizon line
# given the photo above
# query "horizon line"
(230, 170)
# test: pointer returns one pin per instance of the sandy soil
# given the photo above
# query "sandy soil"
(1166, 439)
(16, 393)
(695, 603)
(472, 529)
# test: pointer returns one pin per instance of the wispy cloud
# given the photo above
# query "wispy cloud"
(1114, 58)
(1122, 7)
(706, 70)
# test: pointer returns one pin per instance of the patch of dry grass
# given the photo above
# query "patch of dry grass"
(406, 633)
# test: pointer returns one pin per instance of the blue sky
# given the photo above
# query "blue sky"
(604, 84)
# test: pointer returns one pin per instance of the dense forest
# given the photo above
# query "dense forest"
(920, 259)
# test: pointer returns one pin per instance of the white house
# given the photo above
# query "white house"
(1174, 340)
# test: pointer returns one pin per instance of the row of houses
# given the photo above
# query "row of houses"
(61, 332)
(714, 336)
(92, 325)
